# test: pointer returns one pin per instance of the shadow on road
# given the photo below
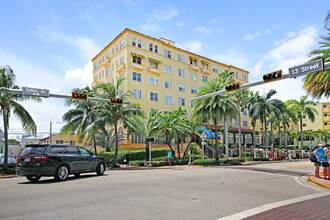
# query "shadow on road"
(71, 178)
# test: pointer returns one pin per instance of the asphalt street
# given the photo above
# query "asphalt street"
(189, 193)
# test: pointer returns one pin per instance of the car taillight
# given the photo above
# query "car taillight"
(18, 159)
(41, 158)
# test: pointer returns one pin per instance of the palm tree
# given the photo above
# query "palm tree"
(321, 134)
(106, 138)
(240, 95)
(248, 103)
(271, 120)
(222, 105)
(9, 104)
(181, 127)
(107, 115)
(287, 115)
(263, 106)
(303, 108)
(77, 119)
(193, 126)
(317, 84)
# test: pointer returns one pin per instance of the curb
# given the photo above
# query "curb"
(311, 179)
(7, 176)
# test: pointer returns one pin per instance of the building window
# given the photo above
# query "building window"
(122, 44)
(168, 84)
(139, 44)
(107, 71)
(155, 111)
(137, 76)
(137, 94)
(134, 42)
(236, 74)
(193, 89)
(136, 139)
(113, 50)
(181, 58)
(137, 60)
(192, 104)
(154, 96)
(245, 112)
(204, 78)
(116, 47)
(215, 69)
(193, 76)
(156, 49)
(236, 138)
(122, 75)
(236, 123)
(182, 102)
(107, 55)
(122, 59)
(59, 142)
(154, 80)
(244, 77)
(168, 99)
(116, 63)
(95, 78)
(193, 61)
(245, 123)
(153, 64)
(181, 87)
(72, 142)
(150, 47)
(113, 66)
(205, 65)
(167, 69)
(167, 54)
(181, 72)
(304, 125)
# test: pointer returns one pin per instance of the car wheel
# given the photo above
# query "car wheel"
(77, 174)
(100, 169)
(33, 178)
(62, 173)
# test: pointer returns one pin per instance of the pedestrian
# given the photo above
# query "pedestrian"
(323, 159)
(169, 157)
(127, 158)
(317, 164)
(275, 155)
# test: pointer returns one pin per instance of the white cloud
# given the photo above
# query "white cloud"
(85, 45)
(165, 14)
(151, 27)
(234, 58)
(80, 77)
(192, 46)
(206, 30)
(87, 17)
(214, 20)
(129, 3)
(179, 24)
(260, 33)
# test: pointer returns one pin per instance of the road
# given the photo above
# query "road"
(190, 193)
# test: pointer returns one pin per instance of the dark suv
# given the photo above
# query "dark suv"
(37, 160)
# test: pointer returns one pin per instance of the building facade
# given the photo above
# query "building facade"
(162, 76)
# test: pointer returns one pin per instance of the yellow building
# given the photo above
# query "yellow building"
(162, 76)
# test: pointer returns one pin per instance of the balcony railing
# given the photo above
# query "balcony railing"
(326, 110)
(326, 118)
(205, 71)
(137, 66)
(153, 70)
(194, 68)
(121, 68)
(326, 127)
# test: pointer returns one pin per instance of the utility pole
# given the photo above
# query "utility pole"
(50, 132)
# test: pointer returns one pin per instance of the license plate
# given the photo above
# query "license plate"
(27, 159)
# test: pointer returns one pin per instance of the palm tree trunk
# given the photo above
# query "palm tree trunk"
(211, 135)
(301, 135)
(262, 134)
(266, 136)
(272, 133)
(94, 143)
(254, 136)
(285, 136)
(226, 139)
(5, 128)
(239, 130)
(216, 138)
(280, 134)
(178, 144)
(116, 150)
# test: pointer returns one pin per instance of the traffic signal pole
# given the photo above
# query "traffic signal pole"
(247, 85)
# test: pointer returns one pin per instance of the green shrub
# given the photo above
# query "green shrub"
(157, 163)
(261, 159)
(159, 159)
(8, 171)
(137, 163)
(204, 162)
(248, 154)
(232, 162)
(249, 159)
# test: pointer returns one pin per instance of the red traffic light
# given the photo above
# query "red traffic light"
(117, 101)
(233, 87)
(79, 96)
(270, 77)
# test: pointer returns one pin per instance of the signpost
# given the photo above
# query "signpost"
(150, 141)
(35, 92)
(203, 137)
(306, 68)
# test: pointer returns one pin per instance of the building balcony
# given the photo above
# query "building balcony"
(137, 66)
(194, 68)
(206, 71)
(106, 62)
(326, 118)
(121, 68)
(154, 70)
(326, 127)
(326, 110)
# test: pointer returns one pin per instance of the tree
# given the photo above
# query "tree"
(222, 106)
(77, 119)
(248, 103)
(287, 115)
(193, 126)
(302, 108)
(107, 115)
(9, 104)
(106, 138)
(263, 106)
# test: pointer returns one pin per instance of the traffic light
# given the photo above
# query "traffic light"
(116, 101)
(233, 87)
(270, 77)
(79, 96)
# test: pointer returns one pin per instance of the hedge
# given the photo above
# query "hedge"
(206, 162)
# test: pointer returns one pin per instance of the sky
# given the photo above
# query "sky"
(50, 44)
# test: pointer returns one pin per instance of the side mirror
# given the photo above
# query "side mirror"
(92, 154)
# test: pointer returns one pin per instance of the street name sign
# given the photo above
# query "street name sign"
(306, 68)
(35, 92)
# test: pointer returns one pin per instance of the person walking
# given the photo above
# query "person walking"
(317, 164)
(169, 157)
(323, 159)
(128, 158)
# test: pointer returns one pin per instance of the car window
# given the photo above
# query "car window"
(71, 150)
(84, 152)
(11, 160)
(34, 150)
(57, 150)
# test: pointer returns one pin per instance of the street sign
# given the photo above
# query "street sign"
(35, 92)
(306, 68)
(203, 136)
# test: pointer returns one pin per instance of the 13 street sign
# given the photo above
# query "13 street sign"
(303, 69)
(35, 92)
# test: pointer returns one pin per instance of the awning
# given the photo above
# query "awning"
(154, 60)
(138, 55)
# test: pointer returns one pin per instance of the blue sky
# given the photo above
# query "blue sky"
(50, 44)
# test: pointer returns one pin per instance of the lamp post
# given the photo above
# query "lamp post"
(150, 165)
(203, 137)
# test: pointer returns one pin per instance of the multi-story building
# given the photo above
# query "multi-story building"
(70, 139)
(162, 76)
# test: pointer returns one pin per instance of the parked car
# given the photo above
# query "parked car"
(11, 161)
(58, 160)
